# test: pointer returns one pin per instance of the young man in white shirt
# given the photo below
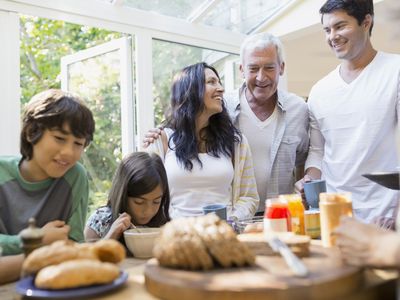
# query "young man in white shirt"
(354, 112)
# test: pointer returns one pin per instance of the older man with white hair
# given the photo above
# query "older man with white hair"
(274, 121)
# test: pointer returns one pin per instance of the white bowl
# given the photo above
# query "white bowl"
(140, 241)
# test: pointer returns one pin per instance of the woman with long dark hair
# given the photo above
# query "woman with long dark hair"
(207, 160)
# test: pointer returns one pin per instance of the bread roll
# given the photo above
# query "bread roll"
(203, 242)
(109, 251)
(60, 251)
(76, 273)
(55, 253)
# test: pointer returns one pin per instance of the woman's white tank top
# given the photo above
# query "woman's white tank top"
(191, 190)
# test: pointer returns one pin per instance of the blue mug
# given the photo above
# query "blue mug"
(312, 189)
(218, 209)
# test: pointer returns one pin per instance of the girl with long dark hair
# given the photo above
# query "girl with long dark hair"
(139, 195)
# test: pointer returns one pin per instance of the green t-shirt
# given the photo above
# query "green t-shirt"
(64, 198)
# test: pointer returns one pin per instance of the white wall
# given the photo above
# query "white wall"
(9, 84)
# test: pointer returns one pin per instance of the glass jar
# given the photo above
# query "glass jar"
(296, 210)
(332, 206)
(277, 216)
(312, 226)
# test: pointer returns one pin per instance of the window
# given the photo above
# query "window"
(92, 69)
(169, 58)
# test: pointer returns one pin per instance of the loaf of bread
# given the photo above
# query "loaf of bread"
(61, 251)
(107, 250)
(201, 243)
(76, 273)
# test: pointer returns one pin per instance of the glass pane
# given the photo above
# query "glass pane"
(234, 15)
(43, 43)
(169, 58)
(174, 8)
(97, 80)
(242, 15)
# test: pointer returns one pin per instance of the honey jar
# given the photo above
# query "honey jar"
(312, 225)
(332, 207)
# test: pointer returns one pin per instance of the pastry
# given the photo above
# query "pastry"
(55, 253)
(109, 251)
(76, 273)
(60, 251)
(201, 243)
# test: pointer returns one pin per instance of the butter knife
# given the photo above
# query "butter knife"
(295, 264)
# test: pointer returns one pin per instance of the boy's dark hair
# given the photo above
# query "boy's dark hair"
(355, 8)
(51, 109)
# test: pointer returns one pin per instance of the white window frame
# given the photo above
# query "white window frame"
(9, 83)
(124, 48)
(145, 26)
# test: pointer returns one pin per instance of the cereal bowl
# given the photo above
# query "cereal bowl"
(140, 241)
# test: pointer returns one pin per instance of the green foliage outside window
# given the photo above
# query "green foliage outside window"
(43, 43)
(168, 59)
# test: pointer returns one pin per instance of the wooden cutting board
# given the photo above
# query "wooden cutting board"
(270, 278)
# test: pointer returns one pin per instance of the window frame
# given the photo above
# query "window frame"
(143, 26)
(124, 48)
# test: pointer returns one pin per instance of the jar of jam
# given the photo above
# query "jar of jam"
(277, 216)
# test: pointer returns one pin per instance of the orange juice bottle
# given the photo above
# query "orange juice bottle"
(296, 209)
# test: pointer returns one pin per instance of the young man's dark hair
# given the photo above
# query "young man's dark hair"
(355, 8)
(50, 110)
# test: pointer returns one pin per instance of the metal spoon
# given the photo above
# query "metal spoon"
(132, 226)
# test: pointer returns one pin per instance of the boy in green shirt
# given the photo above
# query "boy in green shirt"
(47, 182)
